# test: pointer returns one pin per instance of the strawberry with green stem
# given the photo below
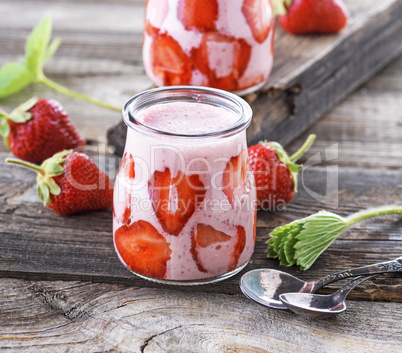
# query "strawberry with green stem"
(38, 129)
(14, 76)
(275, 172)
(70, 182)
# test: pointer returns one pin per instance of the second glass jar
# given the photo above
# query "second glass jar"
(226, 44)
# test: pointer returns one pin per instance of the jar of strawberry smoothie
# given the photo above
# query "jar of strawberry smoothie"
(226, 44)
(184, 197)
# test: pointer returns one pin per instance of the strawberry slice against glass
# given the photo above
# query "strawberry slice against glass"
(174, 200)
(206, 240)
(223, 59)
(143, 249)
(169, 62)
(234, 177)
(259, 16)
(198, 14)
(238, 248)
(128, 166)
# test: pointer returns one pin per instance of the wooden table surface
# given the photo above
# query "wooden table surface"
(62, 288)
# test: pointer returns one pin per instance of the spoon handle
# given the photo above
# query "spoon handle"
(382, 267)
(342, 293)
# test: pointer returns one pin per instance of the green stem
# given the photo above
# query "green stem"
(303, 148)
(28, 165)
(373, 212)
(54, 85)
(279, 6)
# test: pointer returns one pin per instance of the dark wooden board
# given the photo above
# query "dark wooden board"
(312, 74)
(38, 244)
(83, 317)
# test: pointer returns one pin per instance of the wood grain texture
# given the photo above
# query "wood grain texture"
(38, 244)
(82, 317)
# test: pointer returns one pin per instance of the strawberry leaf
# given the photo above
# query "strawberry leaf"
(20, 114)
(4, 128)
(279, 6)
(317, 233)
(52, 48)
(302, 241)
(36, 47)
(13, 78)
(43, 192)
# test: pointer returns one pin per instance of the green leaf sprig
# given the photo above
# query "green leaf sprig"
(302, 241)
(14, 76)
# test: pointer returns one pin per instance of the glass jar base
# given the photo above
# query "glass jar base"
(194, 282)
(243, 92)
(250, 90)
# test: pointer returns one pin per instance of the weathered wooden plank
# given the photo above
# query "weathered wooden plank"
(83, 317)
(36, 243)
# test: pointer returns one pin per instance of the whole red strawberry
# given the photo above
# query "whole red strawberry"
(311, 16)
(275, 173)
(70, 182)
(38, 129)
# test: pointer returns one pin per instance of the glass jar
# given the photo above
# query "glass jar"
(226, 44)
(184, 197)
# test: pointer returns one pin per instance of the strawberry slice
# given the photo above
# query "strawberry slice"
(143, 249)
(220, 245)
(125, 218)
(223, 59)
(127, 164)
(203, 237)
(198, 14)
(234, 177)
(238, 248)
(174, 200)
(169, 61)
(258, 14)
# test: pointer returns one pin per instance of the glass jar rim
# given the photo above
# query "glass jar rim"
(193, 94)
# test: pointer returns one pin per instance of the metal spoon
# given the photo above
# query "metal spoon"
(319, 306)
(265, 285)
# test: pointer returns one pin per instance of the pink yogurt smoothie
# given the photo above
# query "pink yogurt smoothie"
(234, 53)
(203, 220)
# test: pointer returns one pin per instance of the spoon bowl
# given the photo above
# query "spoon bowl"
(265, 285)
(317, 305)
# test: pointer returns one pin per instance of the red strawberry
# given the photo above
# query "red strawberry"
(275, 173)
(311, 16)
(234, 177)
(143, 249)
(38, 129)
(234, 55)
(70, 182)
(198, 14)
(205, 236)
(169, 61)
(259, 17)
(174, 200)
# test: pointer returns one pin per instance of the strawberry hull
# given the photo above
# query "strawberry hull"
(226, 44)
(180, 191)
